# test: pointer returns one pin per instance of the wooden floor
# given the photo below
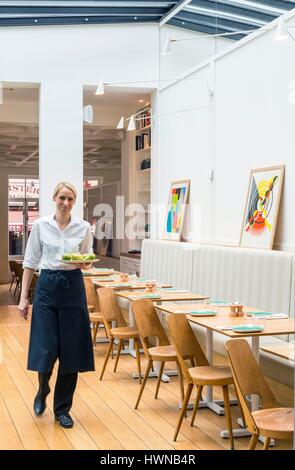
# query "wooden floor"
(103, 410)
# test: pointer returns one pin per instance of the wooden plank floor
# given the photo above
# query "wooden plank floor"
(103, 410)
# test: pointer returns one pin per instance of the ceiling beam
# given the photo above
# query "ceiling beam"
(174, 11)
(28, 157)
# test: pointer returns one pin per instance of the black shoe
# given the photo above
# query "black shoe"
(40, 401)
(65, 421)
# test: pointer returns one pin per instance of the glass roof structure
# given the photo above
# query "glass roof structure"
(206, 16)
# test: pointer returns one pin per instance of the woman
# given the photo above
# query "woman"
(60, 322)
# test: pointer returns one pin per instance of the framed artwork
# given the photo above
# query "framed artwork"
(177, 201)
(262, 207)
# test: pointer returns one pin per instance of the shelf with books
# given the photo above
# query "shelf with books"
(144, 149)
(142, 166)
(143, 128)
(143, 119)
(144, 171)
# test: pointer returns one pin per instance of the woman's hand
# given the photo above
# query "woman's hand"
(23, 307)
(85, 265)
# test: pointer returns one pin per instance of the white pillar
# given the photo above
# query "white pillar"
(60, 141)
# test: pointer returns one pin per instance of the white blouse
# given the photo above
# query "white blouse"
(47, 243)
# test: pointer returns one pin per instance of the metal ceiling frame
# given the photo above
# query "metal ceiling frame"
(208, 16)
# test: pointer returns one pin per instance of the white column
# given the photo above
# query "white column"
(61, 141)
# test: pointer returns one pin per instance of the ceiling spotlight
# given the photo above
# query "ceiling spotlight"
(167, 46)
(131, 125)
(121, 123)
(100, 88)
(140, 101)
(86, 19)
(281, 33)
(135, 18)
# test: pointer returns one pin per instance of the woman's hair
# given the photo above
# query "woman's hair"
(64, 184)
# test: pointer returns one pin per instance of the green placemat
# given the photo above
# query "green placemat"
(220, 303)
(247, 328)
(202, 312)
(254, 314)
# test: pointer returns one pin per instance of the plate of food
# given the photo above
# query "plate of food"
(78, 258)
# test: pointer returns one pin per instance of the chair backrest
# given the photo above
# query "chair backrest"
(12, 266)
(148, 323)
(186, 344)
(91, 294)
(18, 269)
(248, 379)
(109, 308)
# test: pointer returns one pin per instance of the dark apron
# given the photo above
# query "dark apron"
(60, 325)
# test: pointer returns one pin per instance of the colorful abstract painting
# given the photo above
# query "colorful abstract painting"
(176, 209)
(262, 207)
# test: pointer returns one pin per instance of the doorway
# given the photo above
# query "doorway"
(23, 210)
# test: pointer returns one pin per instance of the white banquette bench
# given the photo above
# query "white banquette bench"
(258, 278)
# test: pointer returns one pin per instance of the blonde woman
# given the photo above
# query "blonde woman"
(60, 322)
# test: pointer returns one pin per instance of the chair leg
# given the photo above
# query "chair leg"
(240, 408)
(12, 280)
(183, 409)
(228, 416)
(180, 378)
(95, 330)
(16, 286)
(266, 443)
(253, 442)
(136, 345)
(110, 346)
(120, 345)
(196, 405)
(159, 379)
(144, 382)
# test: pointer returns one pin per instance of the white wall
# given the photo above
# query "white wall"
(62, 59)
(249, 123)
(188, 53)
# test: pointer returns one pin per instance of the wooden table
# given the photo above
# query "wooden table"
(222, 320)
(125, 300)
(101, 272)
(116, 284)
(284, 349)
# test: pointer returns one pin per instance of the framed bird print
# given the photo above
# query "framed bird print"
(262, 207)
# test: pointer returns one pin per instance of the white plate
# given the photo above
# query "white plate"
(78, 261)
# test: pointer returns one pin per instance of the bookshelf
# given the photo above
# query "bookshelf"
(143, 146)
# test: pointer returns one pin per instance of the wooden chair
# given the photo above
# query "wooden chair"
(95, 315)
(18, 269)
(186, 344)
(111, 312)
(32, 288)
(12, 271)
(272, 420)
(149, 326)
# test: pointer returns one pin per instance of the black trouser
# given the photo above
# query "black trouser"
(63, 392)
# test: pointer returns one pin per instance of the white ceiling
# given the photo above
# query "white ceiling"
(102, 147)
